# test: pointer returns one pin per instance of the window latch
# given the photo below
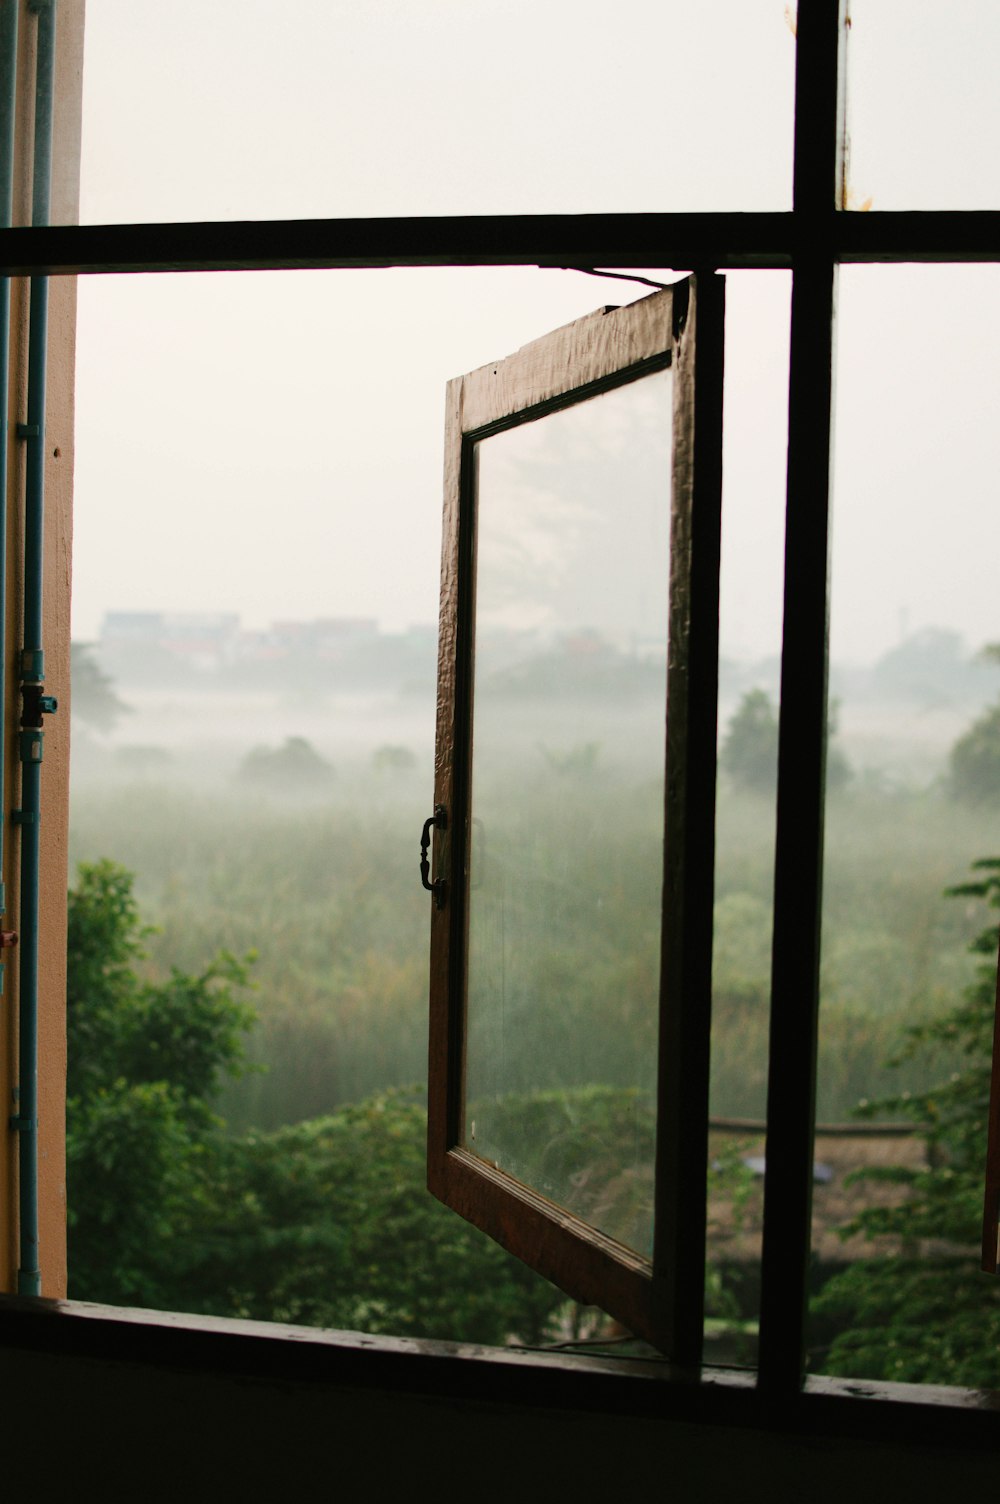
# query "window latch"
(439, 887)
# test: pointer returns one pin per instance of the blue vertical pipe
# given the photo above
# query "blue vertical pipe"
(8, 104)
(8, 99)
(29, 1279)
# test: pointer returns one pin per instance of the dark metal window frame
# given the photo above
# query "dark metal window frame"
(811, 240)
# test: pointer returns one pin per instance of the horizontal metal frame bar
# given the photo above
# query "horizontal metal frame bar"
(683, 241)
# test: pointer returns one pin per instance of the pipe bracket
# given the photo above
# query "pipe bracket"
(30, 744)
(32, 664)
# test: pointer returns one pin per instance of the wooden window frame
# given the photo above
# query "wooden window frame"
(680, 327)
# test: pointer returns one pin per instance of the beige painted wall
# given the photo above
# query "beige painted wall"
(55, 771)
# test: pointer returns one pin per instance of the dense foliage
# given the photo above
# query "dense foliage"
(145, 1061)
(924, 1312)
(327, 1222)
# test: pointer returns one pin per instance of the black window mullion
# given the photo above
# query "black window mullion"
(724, 240)
(802, 736)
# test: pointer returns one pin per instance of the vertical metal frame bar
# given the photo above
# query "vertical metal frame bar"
(802, 735)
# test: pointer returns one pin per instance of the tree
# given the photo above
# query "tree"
(750, 751)
(145, 1061)
(294, 766)
(974, 761)
(329, 1223)
(933, 1318)
(94, 700)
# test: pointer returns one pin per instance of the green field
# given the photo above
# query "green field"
(326, 893)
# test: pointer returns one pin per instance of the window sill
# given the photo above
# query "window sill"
(467, 1374)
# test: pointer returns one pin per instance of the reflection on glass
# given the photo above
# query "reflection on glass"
(923, 108)
(573, 519)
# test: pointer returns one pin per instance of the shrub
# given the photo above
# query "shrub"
(292, 767)
(924, 1313)
(974, 762)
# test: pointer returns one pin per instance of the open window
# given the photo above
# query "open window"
(573, 827)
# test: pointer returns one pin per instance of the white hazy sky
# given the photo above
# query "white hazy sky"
(271, 443)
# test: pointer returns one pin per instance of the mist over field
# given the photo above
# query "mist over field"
(315, 865)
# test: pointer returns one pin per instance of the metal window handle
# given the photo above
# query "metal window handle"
(439, 887)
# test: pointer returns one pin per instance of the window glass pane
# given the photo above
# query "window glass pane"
(573, 530)
(753, 508)
(248, 109)
(923, 109)
(913, 800)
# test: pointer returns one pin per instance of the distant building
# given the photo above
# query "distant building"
(204, 640)
(327, 637)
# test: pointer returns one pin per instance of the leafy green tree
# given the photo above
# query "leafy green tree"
(329, 1223)
(145, 1061)
(924, 1312)
(95, 700)
(750, 751)
(974, 761)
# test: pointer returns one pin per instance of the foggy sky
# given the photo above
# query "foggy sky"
(272, 443)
